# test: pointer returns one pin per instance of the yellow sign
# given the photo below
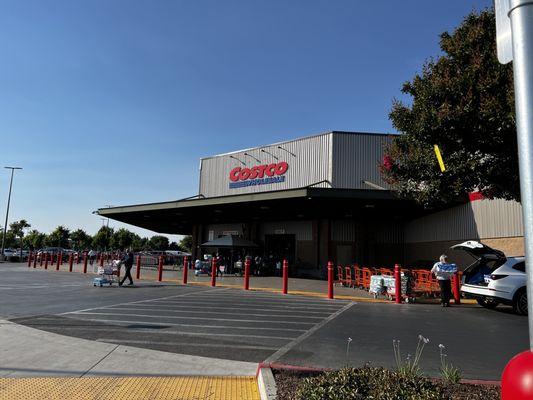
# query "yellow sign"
(439, 158)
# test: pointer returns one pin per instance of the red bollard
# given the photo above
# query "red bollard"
(330, 280)
(285, 288)
(398, 284)
(29, 259)
(138, 274)
(457, 288)
(70, 261)
(101, 260)
(46, 261)
(35, 260)
(517, 377)
(247, 263)
(160, 269)
(185, 269)
(85, 262)
(51, 259)
(59, 260)
(42, 259)
(214, 271)
(77, 260)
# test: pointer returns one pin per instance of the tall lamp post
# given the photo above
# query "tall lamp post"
(7, 211)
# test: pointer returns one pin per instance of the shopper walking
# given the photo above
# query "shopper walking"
(128, 264)
(443, 272)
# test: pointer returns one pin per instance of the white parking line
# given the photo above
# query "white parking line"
(193, 318)
(246, 305)
(136, 302)
(160, 306)
(216, 313)
(253, 328)
(179, 333)
(148, 342)
(285, 349)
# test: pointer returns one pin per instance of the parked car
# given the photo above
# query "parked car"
(494, 278)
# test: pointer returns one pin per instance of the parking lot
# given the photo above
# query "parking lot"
(258, 326)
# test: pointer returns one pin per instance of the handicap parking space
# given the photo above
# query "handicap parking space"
(220, 323)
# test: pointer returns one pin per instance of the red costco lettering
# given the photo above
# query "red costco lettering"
(258, 171)
(234, 174)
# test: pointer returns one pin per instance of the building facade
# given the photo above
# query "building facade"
(322, 198)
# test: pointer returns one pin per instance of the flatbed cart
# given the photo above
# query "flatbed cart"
(107, 275)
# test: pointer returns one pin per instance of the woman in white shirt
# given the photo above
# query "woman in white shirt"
(443, 276)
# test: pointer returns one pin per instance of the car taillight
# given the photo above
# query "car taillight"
(496, 277)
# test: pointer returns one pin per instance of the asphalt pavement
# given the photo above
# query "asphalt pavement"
(256, 326)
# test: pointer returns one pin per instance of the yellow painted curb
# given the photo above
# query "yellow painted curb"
(130, 388)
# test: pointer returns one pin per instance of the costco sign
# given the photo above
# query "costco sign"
(258, 175)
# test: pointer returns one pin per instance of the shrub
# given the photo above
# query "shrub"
(368, 383)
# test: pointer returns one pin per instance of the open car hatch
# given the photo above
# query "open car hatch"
(479, 250)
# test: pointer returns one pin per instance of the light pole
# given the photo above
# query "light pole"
(7, 211)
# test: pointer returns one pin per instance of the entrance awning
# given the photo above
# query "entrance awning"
(178, 217)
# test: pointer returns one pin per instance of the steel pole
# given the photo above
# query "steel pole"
(7, 215)
(521, 15)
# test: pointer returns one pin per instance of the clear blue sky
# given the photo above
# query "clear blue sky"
(114, 101)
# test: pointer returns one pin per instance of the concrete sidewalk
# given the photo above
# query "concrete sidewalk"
(28, 352)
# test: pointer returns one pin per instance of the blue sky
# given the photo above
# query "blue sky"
(112, 102)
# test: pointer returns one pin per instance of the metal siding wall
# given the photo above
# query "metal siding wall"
(310, 165)
(482, 219)
(302, 229)
(356, 158)
(343, 230)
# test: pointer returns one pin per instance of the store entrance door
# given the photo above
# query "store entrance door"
(281, 247)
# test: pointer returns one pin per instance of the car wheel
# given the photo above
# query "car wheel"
(520, 302)
(487, 302)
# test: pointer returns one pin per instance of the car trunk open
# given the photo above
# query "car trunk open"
(486, 261)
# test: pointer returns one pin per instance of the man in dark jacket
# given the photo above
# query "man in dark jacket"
(128, 263)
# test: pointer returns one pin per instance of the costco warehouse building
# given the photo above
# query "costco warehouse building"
(321, 198)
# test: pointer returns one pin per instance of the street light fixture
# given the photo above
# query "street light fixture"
(7, 211)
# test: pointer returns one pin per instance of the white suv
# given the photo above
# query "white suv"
(494, 278)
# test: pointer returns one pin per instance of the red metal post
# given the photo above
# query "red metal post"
(285, 288)
(160, 269)
(29, 259)
(398, 284)
(45, 260)
(214, 271)
(85, 262)
(42, 259)
(77, 260)
(101, 260)
(330, 280)
(59, 260)
(456, 288)
(185, 269)
(138, 274)
(70, 261)
(51, 259)
(247, 263)
(35, 260)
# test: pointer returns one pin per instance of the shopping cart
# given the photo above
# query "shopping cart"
(108, 274)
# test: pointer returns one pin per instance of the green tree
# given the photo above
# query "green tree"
(186, 243)
(102, 238)
(463, 101)
(139, 243)
(122, 239)
(59, 237)
(18, 228)
(158, 242)
(34, 240)
(11, 239)
(80, 239)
